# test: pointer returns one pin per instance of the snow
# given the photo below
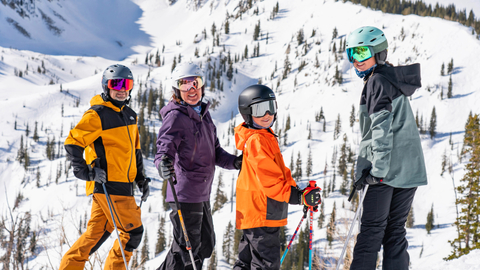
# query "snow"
(87, 45)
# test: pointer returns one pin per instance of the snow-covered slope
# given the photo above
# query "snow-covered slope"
(92, 28)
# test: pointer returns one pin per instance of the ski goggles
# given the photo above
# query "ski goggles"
(260, 109)
(118, 84)
(360, 54)
(185, 84)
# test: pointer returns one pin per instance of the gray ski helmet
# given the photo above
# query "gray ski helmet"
(116, 71)
(185, 70)
(372, 37)
(253, 94)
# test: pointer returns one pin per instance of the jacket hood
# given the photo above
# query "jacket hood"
(242, 133)
(185, 109)
(405, 78)
(98, 100)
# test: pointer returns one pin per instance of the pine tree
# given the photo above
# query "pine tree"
(287, 123)
(227, 27)
(300, 36)
(450, 67)
(410, 219)
(144, 254)
(35, 133)
(444, 162)
(442, 69)
(220, 197)
(309, 163)
(450, 88)
(256, 31)
(228, 242)
(338, 128)
(469, 193)
(212, 265)
(430, 220)
(352, 116)
(331, 226)
(161, 239)
(433, 124)
(321, 217)
(335, 33)
(298, 168)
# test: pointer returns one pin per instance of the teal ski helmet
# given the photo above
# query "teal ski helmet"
(372, 37)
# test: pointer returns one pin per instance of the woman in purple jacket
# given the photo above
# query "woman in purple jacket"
(188, 149)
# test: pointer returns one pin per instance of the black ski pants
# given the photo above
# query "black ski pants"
(259, 249)
(385, 211)
(199, 225)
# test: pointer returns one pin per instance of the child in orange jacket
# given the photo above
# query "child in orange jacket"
(265, 185)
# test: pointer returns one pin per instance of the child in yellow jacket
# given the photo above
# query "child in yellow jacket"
(265, 185)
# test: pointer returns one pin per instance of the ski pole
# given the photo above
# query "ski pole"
(187, 241)
(110, 206)
(310, 240)
(305, 211)
(340, 260)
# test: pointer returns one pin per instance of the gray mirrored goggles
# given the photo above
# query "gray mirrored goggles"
(260, 109)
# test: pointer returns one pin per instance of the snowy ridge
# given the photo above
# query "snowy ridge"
(58, 209)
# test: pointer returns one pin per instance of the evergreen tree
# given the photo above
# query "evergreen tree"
(287, 123)
(331, 226)
(298, 168)
(352, 116)
(38, 176)
(444, 162)
(287, 66)
(467, 222)
(338, 128)
(161, 239)
(335, 33)
(228, 242)
(212, 265)
(410, 219)
(27, 131)
(433, 123)
(430, 220)
(321, 217)
(220, 197)
(144, 254)
(300, 36)
(450, 88)
(309, 163)
(442, 69)
(256, 31)
(450, 67)
(35, 133)
(174, 64)
(227, 27)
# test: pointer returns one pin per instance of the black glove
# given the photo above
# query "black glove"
(237, 162)
(165, 167)
(368, 180)
(144, 187)
(98, 175)
(311, 196)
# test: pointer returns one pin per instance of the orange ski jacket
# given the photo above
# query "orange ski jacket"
(264, 183)
(110, 134)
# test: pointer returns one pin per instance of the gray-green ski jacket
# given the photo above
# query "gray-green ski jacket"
(390, 140)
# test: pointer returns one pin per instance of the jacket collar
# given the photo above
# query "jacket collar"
(98, 100)
(185, 109)
(242, 133)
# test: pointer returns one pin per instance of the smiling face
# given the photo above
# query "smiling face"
(365, 65)
(120, 95)
(192, 96)
(264, 121)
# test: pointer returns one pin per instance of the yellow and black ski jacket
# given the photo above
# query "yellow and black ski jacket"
(109, 137)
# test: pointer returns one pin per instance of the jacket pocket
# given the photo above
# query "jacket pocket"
(276, 210)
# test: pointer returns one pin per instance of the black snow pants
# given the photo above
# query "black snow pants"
(259, 249)
(385, 211)
(199, 225)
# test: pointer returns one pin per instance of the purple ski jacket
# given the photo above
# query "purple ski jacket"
(191, 141)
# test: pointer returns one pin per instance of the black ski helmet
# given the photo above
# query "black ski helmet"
(116, 71)
(253, 94)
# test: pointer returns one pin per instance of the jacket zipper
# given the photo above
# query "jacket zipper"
(131, 153)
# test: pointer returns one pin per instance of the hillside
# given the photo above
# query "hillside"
(60, 73)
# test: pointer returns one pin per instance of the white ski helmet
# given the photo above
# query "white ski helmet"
(185, 70)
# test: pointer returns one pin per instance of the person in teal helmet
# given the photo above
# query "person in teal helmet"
(390, 152)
